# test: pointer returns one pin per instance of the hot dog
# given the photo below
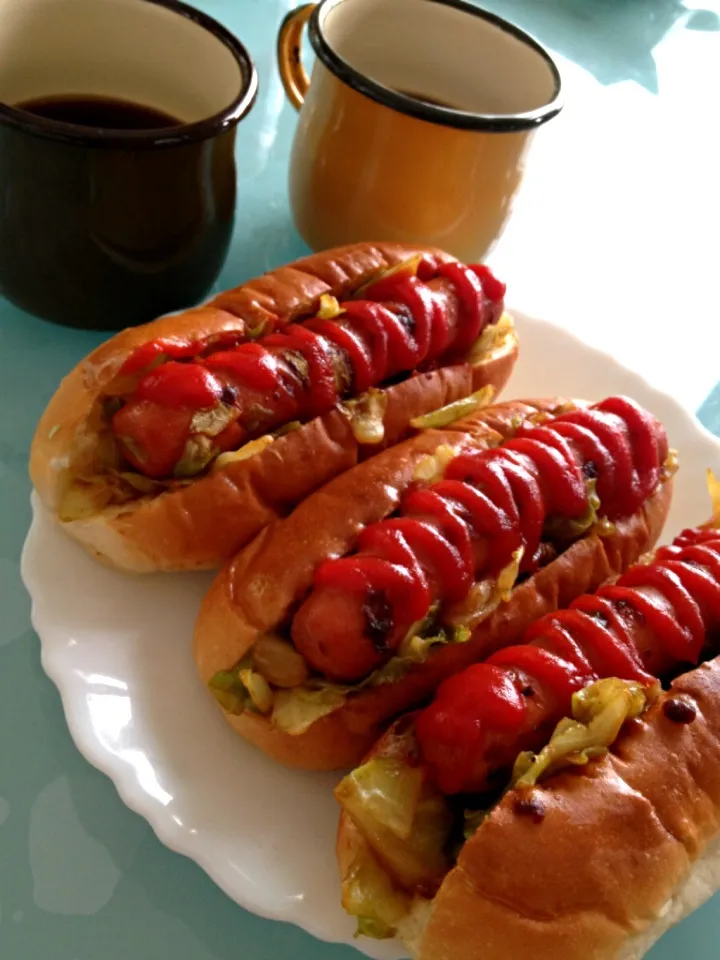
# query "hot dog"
(566, 743)
(173, 444)
(421, 561)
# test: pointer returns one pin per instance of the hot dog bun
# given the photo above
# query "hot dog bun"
(624, 849)
(258, 590)
(207, 521)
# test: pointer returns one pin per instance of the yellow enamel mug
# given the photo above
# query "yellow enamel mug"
(416, 122)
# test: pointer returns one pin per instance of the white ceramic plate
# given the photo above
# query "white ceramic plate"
(118, 649)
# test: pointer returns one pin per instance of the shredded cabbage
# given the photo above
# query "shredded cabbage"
(403, 817)
(83, 499)
(416, 647)
(409, 266)
(432, 466)
(388, 791)
(494, 337)
(229, 691)
(559, 528)
(250, 449)
(297, 709)
(329, 307)
(255, 332)
(199, 452)
(290, 427)
(141, 483)
(366, 415)
(213, 421)
(598, 713)
(369, 894)
(261, 696)
(131, 444)
(487, 595)
(241, 688)
(444, 416)
(279, 662)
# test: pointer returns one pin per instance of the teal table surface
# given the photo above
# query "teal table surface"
(615, 235)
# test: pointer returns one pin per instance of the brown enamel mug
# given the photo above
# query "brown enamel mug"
(100, 226)
(416, 123)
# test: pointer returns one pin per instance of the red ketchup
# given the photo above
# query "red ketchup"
(665, 611)
(180, 385)
(467, 526)
(173, 348)
(449, 732)
(303, 369)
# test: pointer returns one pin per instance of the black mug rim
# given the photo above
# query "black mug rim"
(78, 135)
(436, 113)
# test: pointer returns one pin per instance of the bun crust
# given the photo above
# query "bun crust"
(200, 525)
(610, 865)
(258, 590)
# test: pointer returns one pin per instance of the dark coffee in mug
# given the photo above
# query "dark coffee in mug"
(117, 156)
(107, 113)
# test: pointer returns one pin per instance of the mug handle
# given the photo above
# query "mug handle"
(292, 72)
